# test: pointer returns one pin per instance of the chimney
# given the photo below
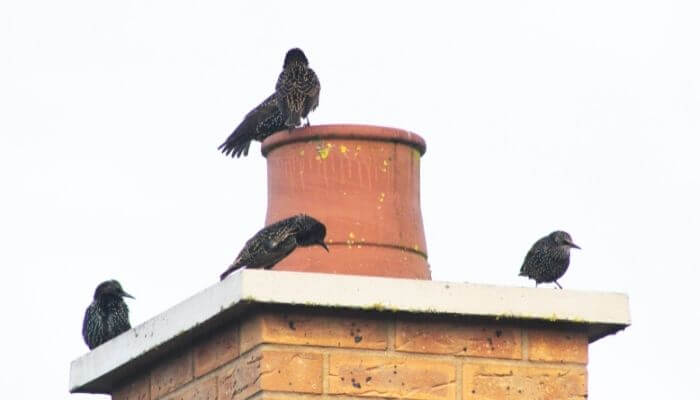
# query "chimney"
(313, 328)
(363, 182)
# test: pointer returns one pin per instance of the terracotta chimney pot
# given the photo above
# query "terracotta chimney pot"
(363, 182)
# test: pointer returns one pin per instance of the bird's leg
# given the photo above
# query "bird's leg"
(536, 284)
(558, 285)
(308, 122)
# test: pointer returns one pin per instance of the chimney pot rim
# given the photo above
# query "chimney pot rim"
(344, 131)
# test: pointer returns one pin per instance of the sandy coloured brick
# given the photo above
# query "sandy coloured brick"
(203, 389)
(172, 373)
(397, 377)
(557, 346)
(318, 330)
(138, 388)
(280, 396)
(523, 382)
(241, 379)
(216, 350)
(287, 371)
(459, 338)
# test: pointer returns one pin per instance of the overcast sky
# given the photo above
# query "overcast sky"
(582, 116)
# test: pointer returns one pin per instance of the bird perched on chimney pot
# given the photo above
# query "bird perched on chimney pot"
(276, 241)
(297, 89)
(548, 259)
(107, 316)
(261, 122)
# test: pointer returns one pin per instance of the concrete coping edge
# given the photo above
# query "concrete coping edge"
(99, 370)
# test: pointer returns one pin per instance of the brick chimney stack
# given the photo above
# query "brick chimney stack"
(312, 328)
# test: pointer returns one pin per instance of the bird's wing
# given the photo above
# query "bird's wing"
(118, 319)
(305, 83)
(292, 88)
(241, 260)
(282, 236)
(536, 253)
(284, 84)
(236, 265)
(312, 91)
(526, 261)
(86, 328)
(250, 128)
(270, 124)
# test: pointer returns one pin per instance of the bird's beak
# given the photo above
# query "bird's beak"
(574, 245)
(125, 294)
(324, 246)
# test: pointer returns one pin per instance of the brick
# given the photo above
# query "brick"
(458, 339)
(557, 346)
(288, 371)
(171, 373)
(241, 380)
(216, 350)
(304, 329)
(138, 388)
(203, 389)
(519, 382)
(379, 376)
(280, 396)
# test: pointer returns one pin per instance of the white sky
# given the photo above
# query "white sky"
(581, 116)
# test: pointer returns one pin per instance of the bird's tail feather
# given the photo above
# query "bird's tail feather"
(238, 142)
(293, 120)
(234, 267)
(235, 149)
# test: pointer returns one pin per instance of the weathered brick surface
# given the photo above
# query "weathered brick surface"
(212, 368)
(378, 376)
(316, 330)
(490, 381)
(288, 371)
(242, 378)
(171, 373)
(281, 396)
(203, 389)
(216, 350)
(459, 339)
(138, 388)
(557, 346)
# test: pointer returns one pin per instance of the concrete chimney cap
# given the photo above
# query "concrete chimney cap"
(598, 314)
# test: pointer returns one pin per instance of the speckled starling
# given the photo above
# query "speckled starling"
(548, 259)
(261, 122)
(107, 316)
(276, 241)
(297, 89)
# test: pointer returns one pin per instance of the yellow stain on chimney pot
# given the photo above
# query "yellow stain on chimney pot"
(323, 151)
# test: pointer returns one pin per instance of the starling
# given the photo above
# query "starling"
(261, 122)
(275, 242)
(548, 258)
(107, 316)
(297, 89)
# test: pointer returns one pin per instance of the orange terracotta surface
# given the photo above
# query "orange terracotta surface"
(363, 183)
